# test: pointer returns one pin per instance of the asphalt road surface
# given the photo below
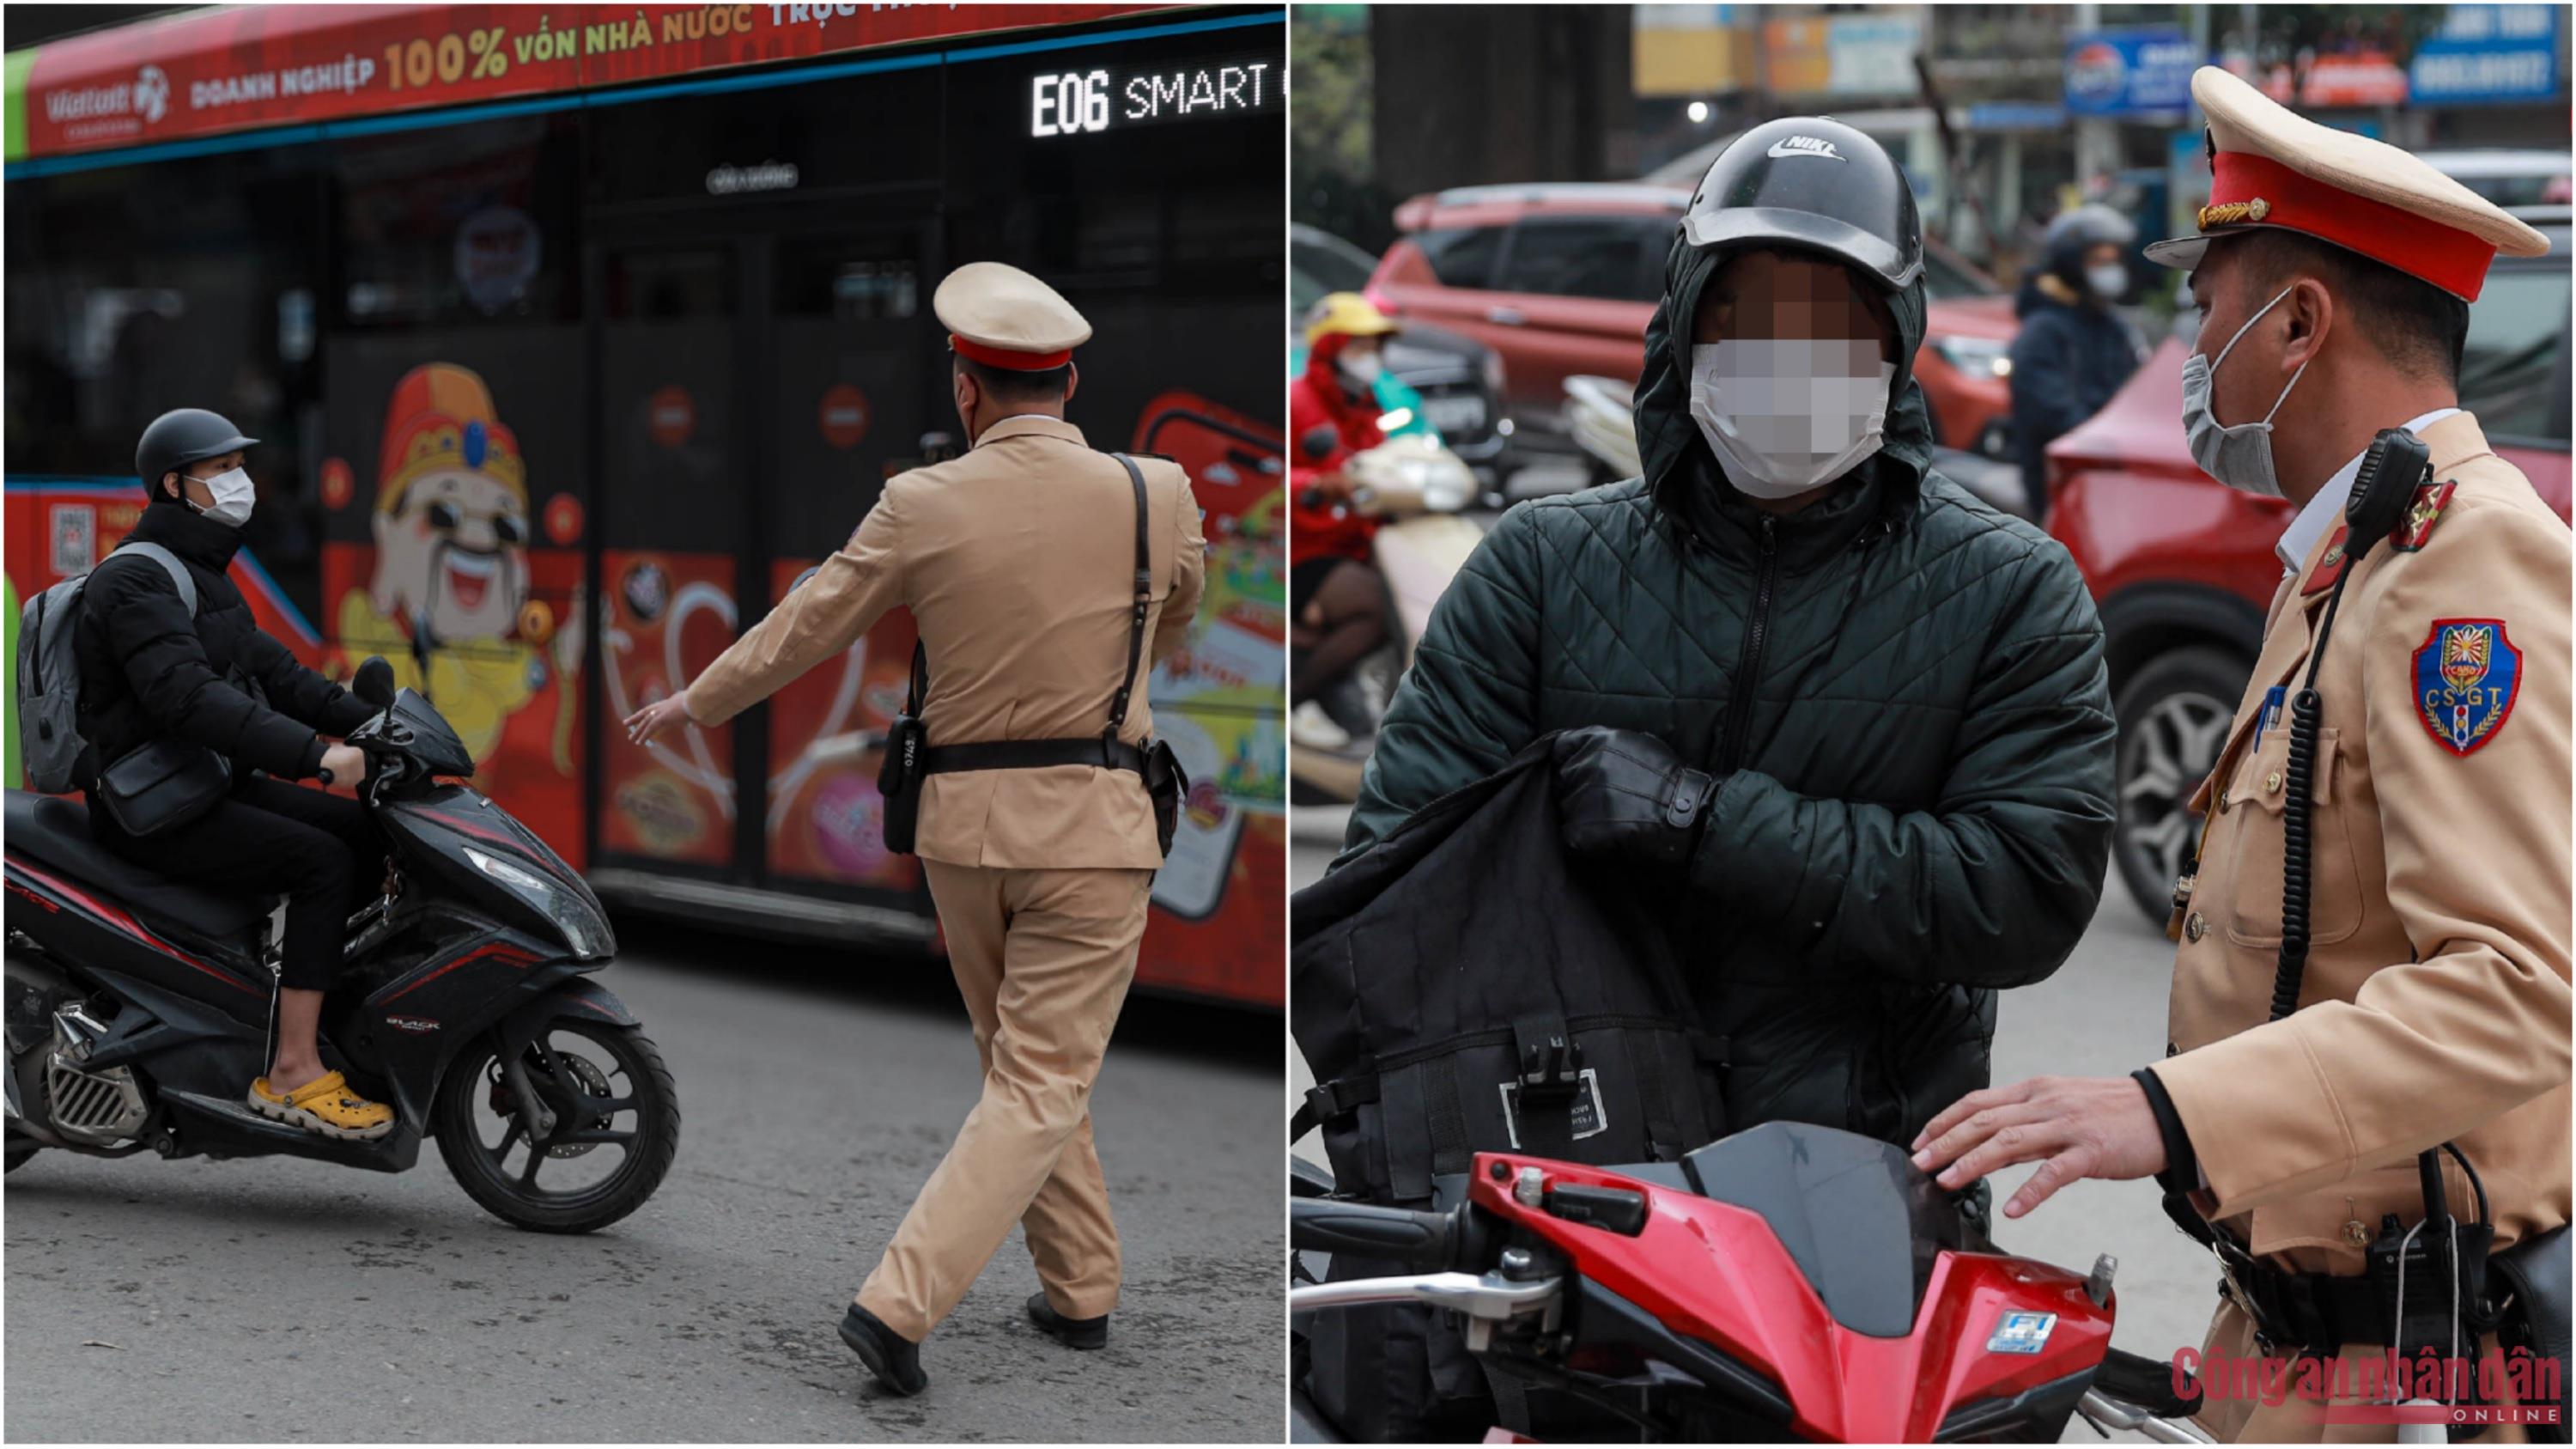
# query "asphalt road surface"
(2102, 1014)
(274, 1300)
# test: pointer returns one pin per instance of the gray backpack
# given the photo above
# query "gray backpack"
(49, 675)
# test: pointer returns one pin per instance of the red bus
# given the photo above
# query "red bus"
(576, 334)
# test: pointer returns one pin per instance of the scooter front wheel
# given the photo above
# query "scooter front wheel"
(610, 1126)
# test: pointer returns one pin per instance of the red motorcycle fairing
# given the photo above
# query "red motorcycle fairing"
(1717, 1273)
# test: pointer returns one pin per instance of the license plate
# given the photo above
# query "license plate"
(1455, 414)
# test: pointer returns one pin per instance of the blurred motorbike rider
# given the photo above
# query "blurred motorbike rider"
(148, 671)
(2072, 352)
(1336, 603)
(1847, 726)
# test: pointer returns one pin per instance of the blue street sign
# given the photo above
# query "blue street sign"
(2129, 72)
(2486, 54)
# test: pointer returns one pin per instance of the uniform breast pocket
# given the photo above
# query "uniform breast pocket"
(2257, 799)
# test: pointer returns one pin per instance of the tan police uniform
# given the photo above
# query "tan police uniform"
(2435, 1005)
(1017, 563)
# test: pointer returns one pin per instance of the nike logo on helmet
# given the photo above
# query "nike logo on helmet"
(1805, 146)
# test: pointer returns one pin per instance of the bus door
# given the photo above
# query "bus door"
(760, 373)
(675, 459)
(854, 392)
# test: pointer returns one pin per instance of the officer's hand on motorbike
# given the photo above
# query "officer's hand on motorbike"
(1625, 792)
(344, 767)
(652, 719)
(2073, 1127)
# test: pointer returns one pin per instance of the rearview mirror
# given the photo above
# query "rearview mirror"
(374, 682)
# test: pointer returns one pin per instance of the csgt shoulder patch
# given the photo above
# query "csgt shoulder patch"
(2421, 515)
(2466, 676)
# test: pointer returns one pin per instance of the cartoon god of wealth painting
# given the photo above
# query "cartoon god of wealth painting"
(455, 602)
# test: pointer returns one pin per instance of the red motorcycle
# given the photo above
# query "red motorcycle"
(1788, 1282)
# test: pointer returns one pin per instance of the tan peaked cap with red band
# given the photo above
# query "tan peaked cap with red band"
(1002, 317)
(2275, 168)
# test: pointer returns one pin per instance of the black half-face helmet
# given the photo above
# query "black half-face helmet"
(1816, 184)
(180, 437)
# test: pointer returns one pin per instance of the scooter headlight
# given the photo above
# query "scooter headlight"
(572, 916)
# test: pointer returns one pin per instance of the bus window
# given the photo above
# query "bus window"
(133, 290)
(785, 142)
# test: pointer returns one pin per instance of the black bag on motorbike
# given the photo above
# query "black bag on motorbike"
(163, 784)
(1467, 985)
(910, 757)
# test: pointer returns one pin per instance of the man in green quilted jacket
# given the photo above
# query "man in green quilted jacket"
(1850, 725)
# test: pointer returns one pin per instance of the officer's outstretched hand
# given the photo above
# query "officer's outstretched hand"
(1624, 792)
(2073, 1127)
(652, 719)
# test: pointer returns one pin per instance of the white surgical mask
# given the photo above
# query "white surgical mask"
(2107, 282)
(1362, 369)
(1784, 415)
(2239, 456)
(233, 495)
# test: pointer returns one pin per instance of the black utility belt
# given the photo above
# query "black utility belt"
(1107, 754)
(2321, 1312)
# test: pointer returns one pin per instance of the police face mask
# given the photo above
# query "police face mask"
(1786, 414)
(2241, 456)
(233, 496)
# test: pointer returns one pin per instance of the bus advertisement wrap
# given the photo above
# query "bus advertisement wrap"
(236, 68)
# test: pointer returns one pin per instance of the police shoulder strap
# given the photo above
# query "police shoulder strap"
(1143, 602)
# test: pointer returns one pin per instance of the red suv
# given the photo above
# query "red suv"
(2182, 566)
(1560, 279)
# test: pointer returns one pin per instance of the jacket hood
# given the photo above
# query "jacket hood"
(1682, 475)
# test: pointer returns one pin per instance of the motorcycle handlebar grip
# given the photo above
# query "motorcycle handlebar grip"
(2144, 1382)
(1429, 1241)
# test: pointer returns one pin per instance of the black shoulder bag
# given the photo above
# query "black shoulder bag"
(165, 783)
(910, 758)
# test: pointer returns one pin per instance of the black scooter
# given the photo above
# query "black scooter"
(139, 1008)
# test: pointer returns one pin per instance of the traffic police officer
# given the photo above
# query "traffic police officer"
(2332, 273)
(1016, 560)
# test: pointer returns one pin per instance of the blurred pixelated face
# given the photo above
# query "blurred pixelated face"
(1791, 365)
(1768, 296)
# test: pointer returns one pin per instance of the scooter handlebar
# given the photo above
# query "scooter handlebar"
(1430, 1241)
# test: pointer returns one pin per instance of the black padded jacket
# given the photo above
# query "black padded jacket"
(148, 670)
(1902, 697)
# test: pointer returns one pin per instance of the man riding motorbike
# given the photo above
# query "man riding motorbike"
(151, 673)
(1852, 724)
(1337, 606)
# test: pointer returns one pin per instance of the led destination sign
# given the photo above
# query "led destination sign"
(1105, 98)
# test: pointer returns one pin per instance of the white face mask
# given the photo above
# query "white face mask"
(2107, 282)
(2241, 456)
(233, 496)
(1361, 369)
(1784, 415)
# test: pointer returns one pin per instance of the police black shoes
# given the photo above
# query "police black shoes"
(893, 1358)
(1071, 1332)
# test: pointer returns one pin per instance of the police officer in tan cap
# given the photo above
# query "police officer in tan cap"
(2367, 1079)
(1019, 561)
